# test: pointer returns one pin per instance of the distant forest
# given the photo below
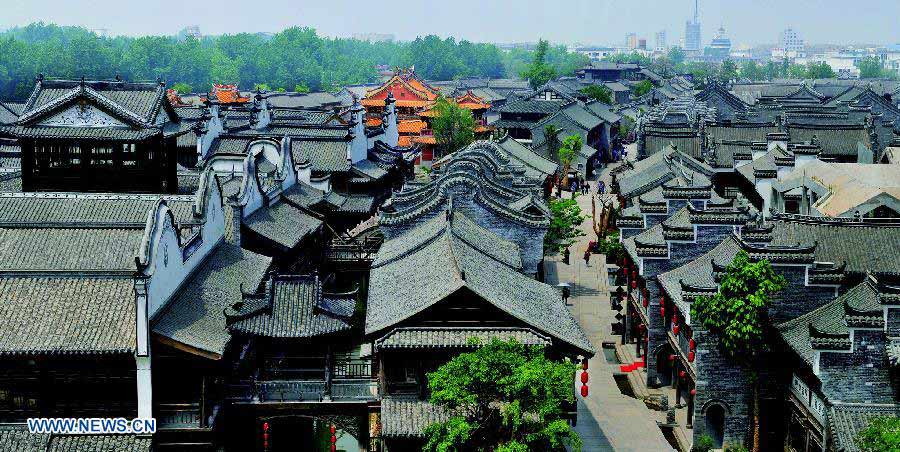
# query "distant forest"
(294, 59)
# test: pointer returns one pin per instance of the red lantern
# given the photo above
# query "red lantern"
(692, 345)
(333, 448)
(693, 392)
(634, 274)
(662, 311)
(675, 329)
(333, 439)
(671, 357)
(626, 261)
(265, 426)
(584, 377)
(662, 300)
(682, 374)
(584, 364)
(584, 391)
(641, 326)
(691, 356)
(333, 429)
(646, 302)
(634, 284)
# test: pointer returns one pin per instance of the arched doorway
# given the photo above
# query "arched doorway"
(714, 415)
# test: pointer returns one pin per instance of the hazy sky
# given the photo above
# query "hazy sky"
(569, 21)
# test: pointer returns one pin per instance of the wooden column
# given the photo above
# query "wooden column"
(329, 363)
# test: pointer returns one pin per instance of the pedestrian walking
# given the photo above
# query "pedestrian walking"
(566, 256)
(601, 187)
(587, 257)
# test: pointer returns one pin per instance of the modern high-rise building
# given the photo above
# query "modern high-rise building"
(692, 30)
(661, 45)
(790, 45)
(631, 40)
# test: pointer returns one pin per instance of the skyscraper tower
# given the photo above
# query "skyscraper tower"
(692, 30)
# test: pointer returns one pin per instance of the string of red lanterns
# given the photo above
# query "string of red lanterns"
(333, 438)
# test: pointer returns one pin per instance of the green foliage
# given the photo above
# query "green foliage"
(728, 71)
(633, 57)
(571, 146)
(752, 71)
(738, 314)
(539, 71)
(676, 56)
(301, 88)
(882, 434)
(551, 134)
(871, 67)
(182, 88)
(734, 448)
(610, 246)
(701, 72)
(564, 222)
(642, 87)
(599, 93)
(505, 397)
(819, 70)
(294, 57)
(704, 443)
(454, 127)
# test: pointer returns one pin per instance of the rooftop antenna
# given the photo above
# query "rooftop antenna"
(696, 11)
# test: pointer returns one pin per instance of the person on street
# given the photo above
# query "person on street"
(566, 256)
(587, 257)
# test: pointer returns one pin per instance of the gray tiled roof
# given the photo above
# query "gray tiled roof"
(834, 141)
(532, 106)
(653, 171)
(99, 443)
(863, 246)
(69, 249)
(829, 320)
(357, 204)
(423, 267)
(370, 169)
(140, 99)
(326, 156)
(195, 316)
(535, 165)
(402, 417)
(698, 273)
(292, 307)
(66, 315)
(448, 337)
(21, 440)
(109, 133)
(282, 223)
(846, 421)
(40, 209)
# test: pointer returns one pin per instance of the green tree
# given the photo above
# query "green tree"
(882, 434)
(599, 93)
(738, 317)
(819, 70)
(870, 67)
(564, 225)
(642, 87)
(454, 127)
(676, 56)
(728, 71)
(797, 71)
(551, 135)
(504, 396)
(750, 70)
(182, 88)
(539, 72)
(570, 148)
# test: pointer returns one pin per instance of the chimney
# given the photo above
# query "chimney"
(391, 133)
(233, 224)
(359, 147)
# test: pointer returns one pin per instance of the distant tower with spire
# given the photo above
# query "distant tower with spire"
(692, 30)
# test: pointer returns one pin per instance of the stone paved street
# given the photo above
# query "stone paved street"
(607, 419)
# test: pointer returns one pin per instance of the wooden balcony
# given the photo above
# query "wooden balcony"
(339, 390)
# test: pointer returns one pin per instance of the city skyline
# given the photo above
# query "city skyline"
(818, 21)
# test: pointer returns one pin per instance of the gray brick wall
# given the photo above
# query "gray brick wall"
(861, 376)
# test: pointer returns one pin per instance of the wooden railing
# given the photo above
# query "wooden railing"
(179, 415)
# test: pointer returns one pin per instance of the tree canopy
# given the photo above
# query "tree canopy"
(290, 59)
(599, 93)
(539, 71)
(504, 396)
(882, 434)
(454, 126)
(564, 222)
